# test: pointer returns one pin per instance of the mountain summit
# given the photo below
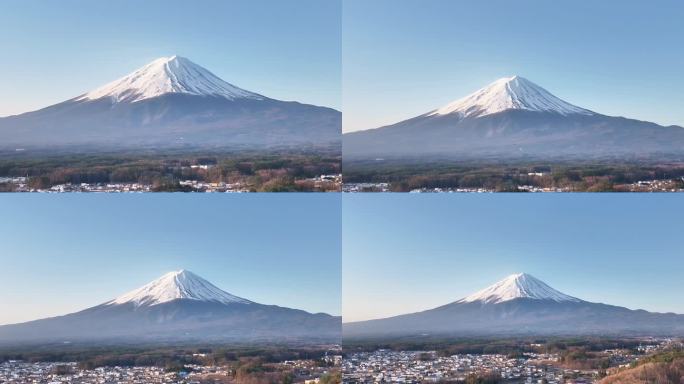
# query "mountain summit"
(517, 286)
(177, 285)
(521, 304)
(509, 93)
(180, 306)
(171, 103)
(514, 118)
(166, 75)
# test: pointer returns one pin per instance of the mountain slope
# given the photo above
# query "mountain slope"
(179, 306)
(168, 75)
(521, 305)
(511, 118)
(517, 286)
(508, 93)
(177, 285)
(171, 103)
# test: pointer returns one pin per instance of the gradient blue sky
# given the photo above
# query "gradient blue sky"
(616, 57)
(404, 253)
(63, 253)
(55, 50)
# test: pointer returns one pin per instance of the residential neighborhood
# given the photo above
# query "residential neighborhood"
(407, 367)
(20, 372)
(21, 184)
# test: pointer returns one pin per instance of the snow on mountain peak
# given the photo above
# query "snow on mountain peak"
(508, 93)
(165, 75)
(516, 286)
(177, 285)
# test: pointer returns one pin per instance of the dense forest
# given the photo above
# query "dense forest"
(257, 171)
(513, 347)
(96, 356)
(507, 177)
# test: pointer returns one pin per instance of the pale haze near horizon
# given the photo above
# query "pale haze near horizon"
(618, 58)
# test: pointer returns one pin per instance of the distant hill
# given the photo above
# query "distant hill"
(666, 368)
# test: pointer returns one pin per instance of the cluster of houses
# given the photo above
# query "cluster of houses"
(17, 372)
(451, 190)
(666, 185)
(385, 366)
(198, 186)
(532, 188)
(98, 187)
(332, 182)
(309, 371)
(19, 184)
(201, 186)
(385, 187)
(20, 372)
(365, 187)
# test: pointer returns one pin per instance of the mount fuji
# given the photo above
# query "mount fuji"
(171, 103)
(518, 305)
(179, 306)
(513, 118)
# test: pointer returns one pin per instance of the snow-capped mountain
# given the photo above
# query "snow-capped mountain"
(178, 307)
(521, 304)
(517, 286)
(177, 285)
(514, 118)
(171, 103)
(508, 93)
(166, 75)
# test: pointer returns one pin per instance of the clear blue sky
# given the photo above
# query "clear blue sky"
(616, 57)
(55, 50)
(404, 253)
(63, 253)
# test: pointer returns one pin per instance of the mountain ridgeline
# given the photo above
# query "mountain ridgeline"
(514, 118)
(171, 103)
(178, 307)
(520, 305)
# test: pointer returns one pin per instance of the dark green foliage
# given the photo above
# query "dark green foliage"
(507, 176)
(168, 357)
(447, 346)
(272, 171)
